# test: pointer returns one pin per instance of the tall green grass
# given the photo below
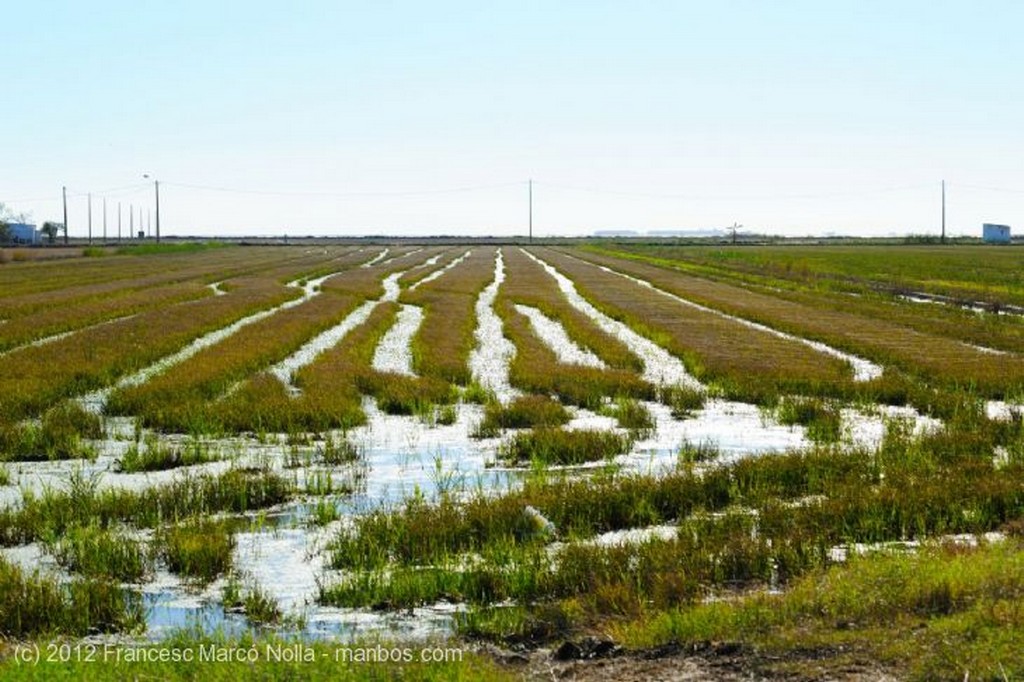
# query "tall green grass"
(563, 447)
(33, 605)
(82, 502)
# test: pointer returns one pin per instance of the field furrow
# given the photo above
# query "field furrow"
(944, 361)
(176, 398)
(745, 363)
(38, 377)
(489, 361)
(441, 346)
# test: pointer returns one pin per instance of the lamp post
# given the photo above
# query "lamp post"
(156, 191)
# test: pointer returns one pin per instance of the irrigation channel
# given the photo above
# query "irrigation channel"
(402, 456)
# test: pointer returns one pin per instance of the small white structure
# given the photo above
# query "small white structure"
(23, 233)
(995, 234)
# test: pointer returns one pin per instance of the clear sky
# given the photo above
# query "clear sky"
(358, 118)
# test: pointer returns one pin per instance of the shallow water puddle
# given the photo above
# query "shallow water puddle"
(554, 336)
(394, 352)
(489, 360)
(660, 366)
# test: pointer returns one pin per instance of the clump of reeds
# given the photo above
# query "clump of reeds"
(154, 455)
(337, 450)
(59, 435)
(682, 400)
(34, 605)
(525, 412)
(96, 552)
(199, 549)
(633, 416)
(698, 453)
(257, 604)
(563, 447)
(821, 418)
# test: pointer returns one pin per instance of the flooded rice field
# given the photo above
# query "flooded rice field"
(435, 445)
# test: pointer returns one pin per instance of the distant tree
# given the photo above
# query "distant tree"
(51, 230)
(5, 232)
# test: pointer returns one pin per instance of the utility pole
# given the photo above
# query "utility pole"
(131, 221)
(104, 220)
(119, 222)
(943, 211)
(531, 210)
(89, 204)
(64, 194)
(156, 187)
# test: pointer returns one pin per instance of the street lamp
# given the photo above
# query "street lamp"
(156, 189)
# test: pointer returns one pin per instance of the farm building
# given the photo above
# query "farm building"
(995, 234)
(23, 233)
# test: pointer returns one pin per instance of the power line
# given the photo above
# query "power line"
(707, 197)
(450, 190)
(989, 189)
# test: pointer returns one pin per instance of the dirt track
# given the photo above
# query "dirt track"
(600, 662)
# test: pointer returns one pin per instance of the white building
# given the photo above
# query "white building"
(23, 233)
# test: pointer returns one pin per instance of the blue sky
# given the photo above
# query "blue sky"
(355, 118)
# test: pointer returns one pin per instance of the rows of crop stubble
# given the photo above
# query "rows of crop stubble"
(177, 399)
(741, 362)
(940, 360)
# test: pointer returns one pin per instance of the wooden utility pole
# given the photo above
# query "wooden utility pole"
(64, 194)
(156, 186)
(104, 220)
(943, 211)
(119, 222)
(531, 210)
(89, 204)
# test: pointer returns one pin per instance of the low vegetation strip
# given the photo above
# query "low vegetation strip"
(528, 284)
(332, 387)
(83, 503)
(553, 334)
(977, 273)
(83, 281)
(743, 363)
(942, 360)
(660, 367)
(69, 318)
(863, 370)
(535, 368)
(442, 344)
(564, 447)
(176, 399)
(96, 357)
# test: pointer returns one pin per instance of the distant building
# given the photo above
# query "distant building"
(23, 233)
(995, 234)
